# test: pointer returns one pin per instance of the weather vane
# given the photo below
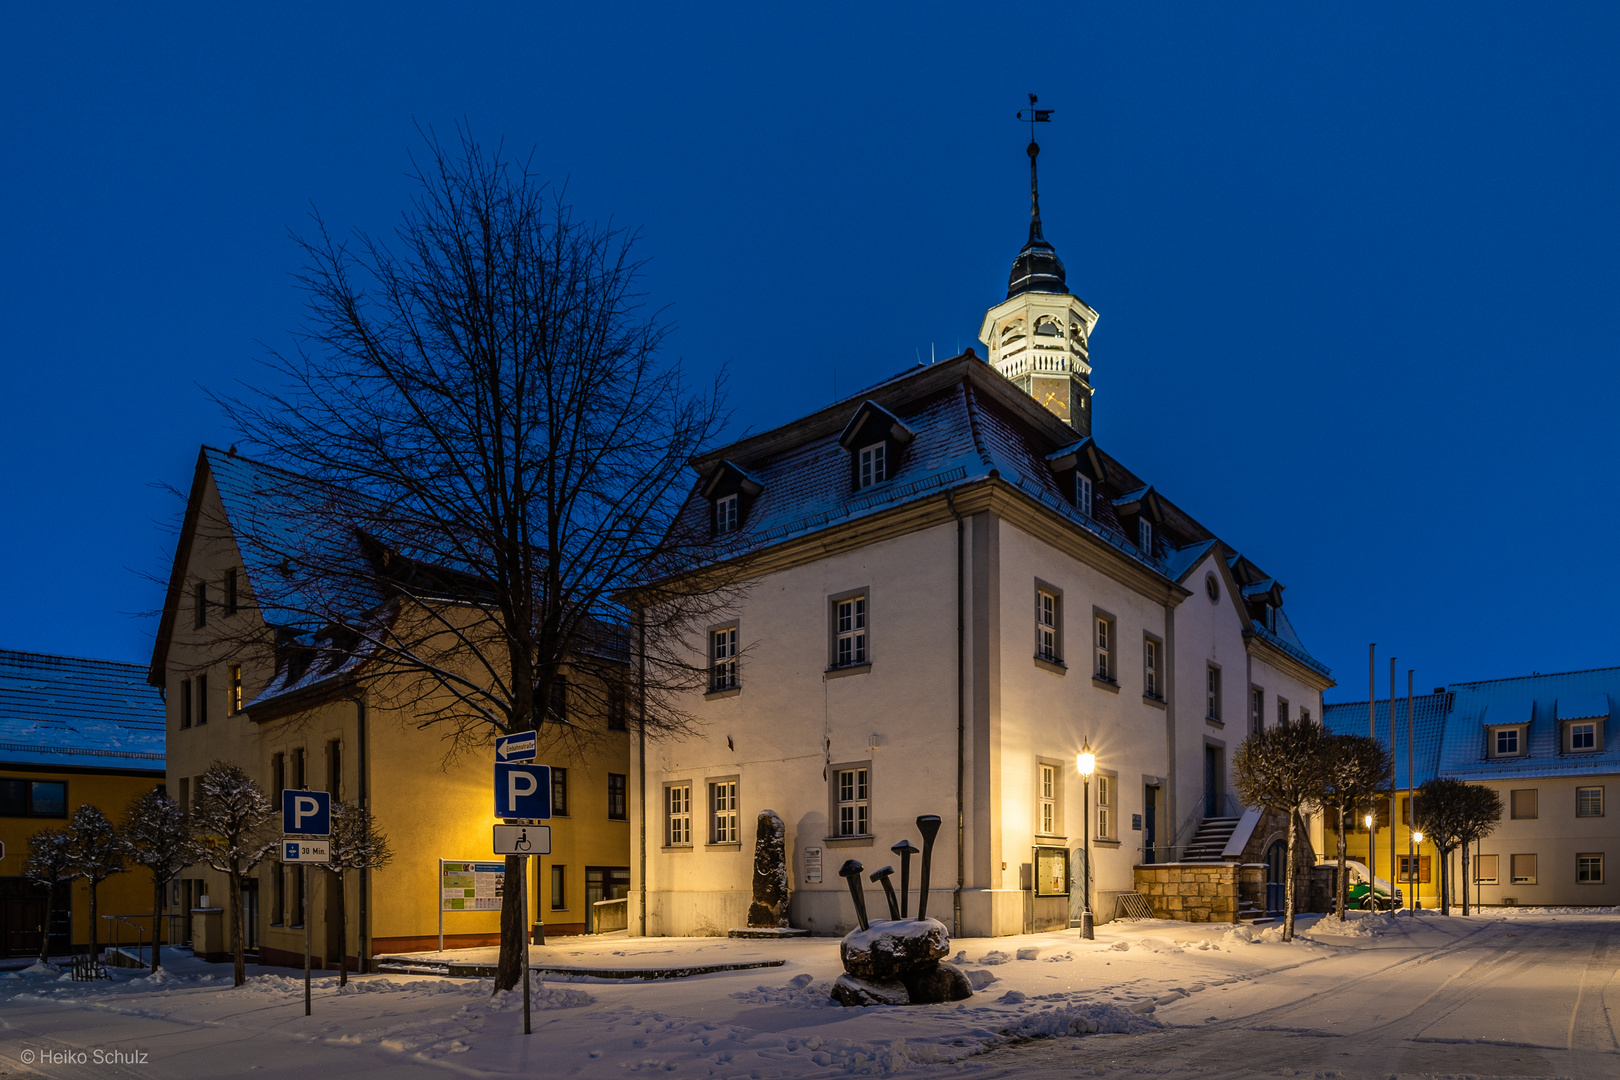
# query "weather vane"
(1036, 116)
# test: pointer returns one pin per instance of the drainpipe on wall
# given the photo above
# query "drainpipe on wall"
(639, 620)
(961, 733)
(1172, 804)
(363, 930)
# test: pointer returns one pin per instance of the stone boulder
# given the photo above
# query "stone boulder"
(769, 908)
(897, 962)
(850, 991)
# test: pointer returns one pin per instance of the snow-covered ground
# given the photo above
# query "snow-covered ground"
(1154, 998)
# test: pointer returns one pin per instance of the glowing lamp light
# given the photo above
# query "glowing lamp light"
(1367, 821)
(1417, 837)
(1086, 761)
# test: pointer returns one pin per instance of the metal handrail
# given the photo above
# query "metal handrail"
(140, 932)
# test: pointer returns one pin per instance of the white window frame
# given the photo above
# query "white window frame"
(849, 616)
(1257, 708)
(1282, 710)
(1046, 799)
(1212, 693)
(1102, 646)
(678, 814)
(723, 659)
(1519, 737)
(1595, 795)
(1105, 799)
(873, 462)
(1048, 625)
(1152, 667)
(852, 795)
(724, 819)
(1082, 493)
(1479, 869)
(1587, 728)
(1144, 535)
(726, 514)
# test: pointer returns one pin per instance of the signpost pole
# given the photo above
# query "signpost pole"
(304, 875)
(441, 905)
(524, 886)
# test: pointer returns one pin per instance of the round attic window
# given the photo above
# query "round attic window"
(1212, 589)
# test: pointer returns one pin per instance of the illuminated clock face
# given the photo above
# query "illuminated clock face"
(1054, 394)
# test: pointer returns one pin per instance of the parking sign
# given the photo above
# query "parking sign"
(522, 790)
(306, 813)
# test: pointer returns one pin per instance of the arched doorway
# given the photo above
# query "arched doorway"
(1276, 876)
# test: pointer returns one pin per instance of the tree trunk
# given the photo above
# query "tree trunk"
(1288, 888)
(157, 920)
(1343, 893)
(343, 935)
(45, 927)
(94, 941)
(239, 957)
(510, 966)
(1464, 889)
(1445, 881)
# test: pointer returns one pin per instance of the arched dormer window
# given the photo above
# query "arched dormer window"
(730, 491)
(875, 439)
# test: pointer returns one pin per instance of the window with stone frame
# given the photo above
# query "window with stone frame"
(723, 813)
(678, 814)
(1102, 642)
(853, 801)
(1047, 795)
(1105, 786)
(1152, 667)
(849, 617)
(1212, 692)
(723, 659)
(1049, 625)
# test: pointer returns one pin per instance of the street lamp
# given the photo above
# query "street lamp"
(1372, 860)
(1417, 838)
(1086, 762)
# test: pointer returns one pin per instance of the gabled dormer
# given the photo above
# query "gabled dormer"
(730, 490)
(1078, 469)
(1141, 512)
(875, 440)
(1263, 599)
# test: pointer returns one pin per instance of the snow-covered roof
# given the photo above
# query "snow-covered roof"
(1453, 741)
(66, 711)
(1428, 727)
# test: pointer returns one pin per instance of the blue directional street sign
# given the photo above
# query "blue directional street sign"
(306, 813)
(522, 790)
(517, 747)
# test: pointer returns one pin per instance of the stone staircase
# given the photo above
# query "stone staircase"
(1210, 840)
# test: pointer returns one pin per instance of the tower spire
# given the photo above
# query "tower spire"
(1034, 116)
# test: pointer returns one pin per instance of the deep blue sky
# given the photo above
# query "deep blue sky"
(1356, 268)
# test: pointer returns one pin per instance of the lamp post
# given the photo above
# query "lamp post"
(1372, 859)
(1417, 838)
(1086, 762)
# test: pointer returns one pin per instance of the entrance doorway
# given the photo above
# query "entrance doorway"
(1150, 819)
(603, 883)
(1214, 781)
(1276, 877)
(22, 915)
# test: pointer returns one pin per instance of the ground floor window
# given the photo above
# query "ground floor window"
(854, 803)
(559, 888)
(723, 812)
(1589, 868)
(1524, 869)
(1486, 869)
(1409, 863)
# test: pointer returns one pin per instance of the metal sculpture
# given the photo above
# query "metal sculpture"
(851, 872)
(882, 875)
(905, 849)
(928, 825)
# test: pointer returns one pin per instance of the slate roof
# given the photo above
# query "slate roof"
(64, 711)
(1429, 713)
(971, 424)
(1452, 727)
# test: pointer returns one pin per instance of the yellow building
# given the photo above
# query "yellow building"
(72, 732)
(240, 688)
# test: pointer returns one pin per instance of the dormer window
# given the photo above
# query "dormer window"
(1511, 740)
(725, 515)
(1507, 741)
(1582, 737)
(1144, 535)
(1082, 493)
(873, 465)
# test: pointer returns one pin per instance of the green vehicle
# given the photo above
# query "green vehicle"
(1366, 893)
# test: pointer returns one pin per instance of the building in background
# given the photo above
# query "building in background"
(72, 732)
(294, 718)
(1541, 743)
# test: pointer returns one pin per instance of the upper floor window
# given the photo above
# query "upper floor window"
(1506, 741)
(678, 815)
(618, 797)
(723, 813)
(1046, 626)
(1212, 695)
(1082, 492)
(1105, 806)
(1144, 535)
(33, 798)
(725, 515)
(1589, 802)
(1103, 648)
(1522, 804)
(849, 631)
(723, 659)
(559, 792)
(615, 708)
(1583, 737)
(854, 803)
(201, 682)
(873, 465)
(1152, 684)
(233, 691)
(1257, 709)
(185, 703)
(1046, 800)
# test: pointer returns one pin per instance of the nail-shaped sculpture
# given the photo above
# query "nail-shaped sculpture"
(851, 872)
(928, 825)
(882, 874)
(905, 849)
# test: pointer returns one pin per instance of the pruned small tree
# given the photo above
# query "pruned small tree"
(1441, 811)
(49, 863)
(158, 836)
(98, 853)
(236, 825)
(356, 844)
(1282, 769)
(1357, 766)
(1480, 813)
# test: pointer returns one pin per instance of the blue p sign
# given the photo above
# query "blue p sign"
(306, 813)
(522, 790)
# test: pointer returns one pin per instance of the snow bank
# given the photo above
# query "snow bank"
(1080, 1019)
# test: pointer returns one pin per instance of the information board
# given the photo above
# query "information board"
(471, 886)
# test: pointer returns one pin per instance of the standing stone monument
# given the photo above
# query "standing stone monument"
(769, 909)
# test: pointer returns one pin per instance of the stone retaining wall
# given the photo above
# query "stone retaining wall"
(1196, 892)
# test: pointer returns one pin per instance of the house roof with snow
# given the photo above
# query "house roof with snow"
(949, 426)
(1455, 724)
(66, 712)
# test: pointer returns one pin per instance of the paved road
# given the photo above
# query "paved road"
(1510, 998)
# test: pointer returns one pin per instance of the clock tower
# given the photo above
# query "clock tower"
(1039, 337)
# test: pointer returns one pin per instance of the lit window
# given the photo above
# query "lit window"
(1589, 802)
(678, 800)
(849, 631)
(1213, 693)
(874, 464)
(1047, 801)
(1589, 868)
(723, 659)
(1046, 625)
(854, 803)
(1103, 643)
(1105, 807)
(1583, 737)
(1150, 668)
(1082, 493)
(723, 813)
(235, 689)
(725, 514)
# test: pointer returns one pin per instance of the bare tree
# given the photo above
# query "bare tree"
(1443, 810)
(1357, 766)
(1477, 818)
(1281, 769)
(486, 449)
(97, 853)
(237, 825)
(49, 863)
(356, 844)
(158, 836)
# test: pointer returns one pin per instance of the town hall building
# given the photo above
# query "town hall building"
(954, 590)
